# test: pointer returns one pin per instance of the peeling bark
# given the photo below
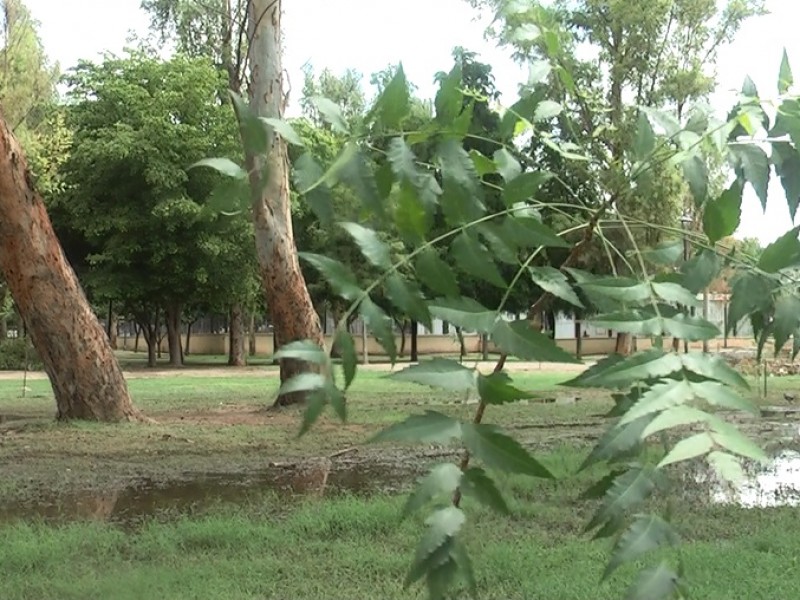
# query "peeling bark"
(291, 309)
(86, 378)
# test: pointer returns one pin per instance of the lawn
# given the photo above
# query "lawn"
(260, 542)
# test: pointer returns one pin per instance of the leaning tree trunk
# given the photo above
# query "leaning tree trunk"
(72, 344)
(293, 314)
(236, 336)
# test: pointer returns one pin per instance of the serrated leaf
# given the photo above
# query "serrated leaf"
(674, 292)
(304, 350)
(787, 166)
(371, 246)
(617, 441)
(726, 466)
(622, 289)
(729, 437)
(665, 253)
(343, 340)
(520, 339)
(285, 130)
(499, 451)
(701, 270)
(751, 292)
(645, 322)
(431, 427)
(645, 141)
(406, 296)
(331, 113)
(546, 110)
(622, 372)
(461, 558)
(696, 174)
(224, 166)
(465, 313)
(658, 397)
(394, 103)
(785, 77)
(449, 97)
(411, 216)
(524, 186)
(435, 273)
(357, 173)
(402, 161)
(688, 448)
(713, 367)
(483, 164)
(433, 551)
(721, 215)
(527, 232)
(600, 487)
(508, 166)
(663, 119)
(553, 281)
(309, 181)
(786, 319)
(628, 491)
(677, 416)
(474, 259)
(497, 388)
(646, 533)
(754, 165)
(381, 326)
(656, 583)
(782, 253)
(439, 372)
(476, 483)
(338, 275)
(498, 244)
(443, 480)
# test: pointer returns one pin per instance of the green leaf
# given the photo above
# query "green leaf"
(394, 103)
(622, 372)
(465, 313)
(524, 186)
(657, 583)
(474, 259)
(430, 428)
(527, 232)
(645, 322)
(787, 166)
(688, 448)
(617, 441)
(508, 166)
(727, 466)
(309, 181)
(622, 289)
(476, 483)
(315, 405)
(546, 110)
(343, 340)
(251, 128)
(285, 130)
(782, 253)
(338, 275)
(381, 326)
(663, 119)
(553, 281)
(645, 534)
(628, 491)
(412, 218)
(665, 253)
(730, 438)
(696, 174)
(406, 296)
(337, 401)
(304, 382)
(786, 319)
(713, 367)
(785, 77)
(462, 560)
(645, 141)
(520, 339)
(224, 166)
(674, 292)
(402, 161)
(496, 388)
(659, 397)
(357, 173)
(483, 164)
(373, 249)
(435, 273)
(721, 215)
(331, 112)
(449, 97)
(499, 451)
(434, 549)
(754, 164)
(304, 350)
(443, 480)
(439, 372)
(675, 417)
(700, 271)
(230, 196)
(498, 244)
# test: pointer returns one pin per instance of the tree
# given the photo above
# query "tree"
(158, 238)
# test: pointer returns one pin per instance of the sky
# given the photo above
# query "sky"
(368, 35)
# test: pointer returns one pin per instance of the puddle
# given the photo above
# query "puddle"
(776, 483)
(146, 499)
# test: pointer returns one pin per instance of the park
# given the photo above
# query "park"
(391, 339)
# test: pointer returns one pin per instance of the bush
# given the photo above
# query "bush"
(16, 352)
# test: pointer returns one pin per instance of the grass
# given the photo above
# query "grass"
(336, 546)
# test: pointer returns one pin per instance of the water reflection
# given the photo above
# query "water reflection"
(776, 483)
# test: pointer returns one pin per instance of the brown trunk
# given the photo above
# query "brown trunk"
(462, 346)
(86, 377)
(151, 337)
(188, 337)
(414, 332)
(253, 349)
(111, 327)
(578, 340)
(137, 330)
(291, 309)
(402, 327)
(172, 318)
(236, 336)
(623, 345)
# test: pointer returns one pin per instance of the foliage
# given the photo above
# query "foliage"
(18, 354)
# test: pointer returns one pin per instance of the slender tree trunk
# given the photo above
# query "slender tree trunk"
(402, 326)
(189, 326)
(253, 348)
(151, 337)
(172, 318)
(112, 330)
(3, 317)
(414, 332)
(137, 330)
(462, 346)
(86, 378)
(236, 336)
(578, 339)
(623, 345)
(293, 314)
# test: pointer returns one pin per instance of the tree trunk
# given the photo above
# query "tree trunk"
(623, 345)
(188, 337)
(172, 317)
(402, 327)
(293, 314)
(414, 332)
(137, 330)
(86, 378)
(253, 347)
(151, 337)
(236, 336)
(462, 346)
(578, 339)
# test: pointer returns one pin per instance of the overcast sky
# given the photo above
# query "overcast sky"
(367, 35)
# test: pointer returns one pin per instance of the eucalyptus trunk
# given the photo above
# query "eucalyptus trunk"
(86, 378)
(293, 314)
